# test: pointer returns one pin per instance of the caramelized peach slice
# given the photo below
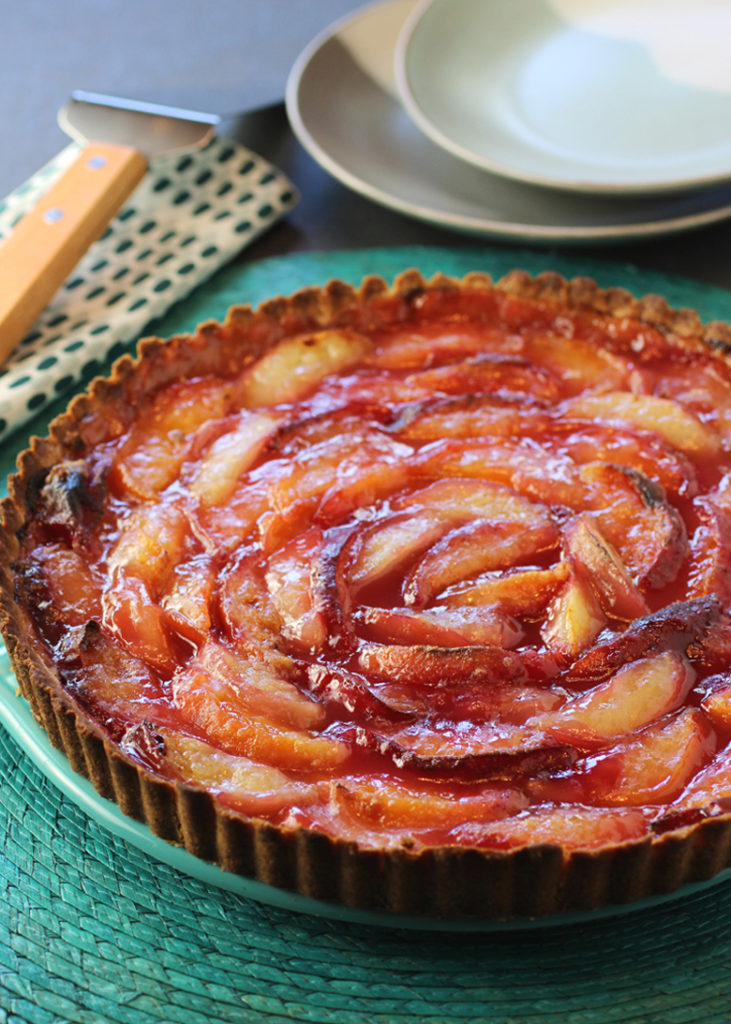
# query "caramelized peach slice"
(540, 475)
(650, 456)
(424, 665)
(711, 784)
(599, 564)
(520, 593)
(710, 552)
(338, 471)
(685, 627)
(655, 766)
(442, 627)
(405, 348)
(633, 515)
(190, 591)
(391, 803)
(152, 541)
(384, 546)
(483, 374)
(290, 585)
(716, 701)
(231, 455)
(635, 696)
(114, 680)
(248, 786)
(130, 614)
(296, 365)
(576, 827)
(574, 619)
(244, 710)
(470, 416)
(351, 694)
(151, 457)
(469, 749)
(246, 611)
(255, 681)
(681, 429)
(478, 547)
(57, 577)
(579, 362)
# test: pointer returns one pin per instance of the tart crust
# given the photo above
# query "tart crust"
(451, 881)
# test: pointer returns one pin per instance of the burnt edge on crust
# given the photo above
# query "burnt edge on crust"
(450, 882)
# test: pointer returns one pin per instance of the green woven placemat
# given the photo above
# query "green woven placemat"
(93, 930)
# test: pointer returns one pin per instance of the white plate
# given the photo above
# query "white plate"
(588, 95)
(343, 106)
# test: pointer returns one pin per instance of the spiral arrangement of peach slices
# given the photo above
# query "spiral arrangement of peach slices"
(460, 579)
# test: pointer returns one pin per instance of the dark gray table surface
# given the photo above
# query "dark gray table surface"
(226, 56)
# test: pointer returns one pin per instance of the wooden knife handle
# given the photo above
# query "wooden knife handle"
(45, 246)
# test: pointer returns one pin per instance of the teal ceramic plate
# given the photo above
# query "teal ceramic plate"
(587, 95)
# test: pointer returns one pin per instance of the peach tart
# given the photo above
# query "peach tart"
(411, 597)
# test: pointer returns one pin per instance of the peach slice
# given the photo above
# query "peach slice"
(632, 514)
(130, 614)
(290, 585)
(521, 465)
(58, 578)
(259, 681)
(632, 698)
(468, 749)
(231, 455)
(251, 712)
(650, 456)
(651, 767)
(423, 665)
(404, 348)
(239, 782)
(190, 591)
(471, 416)
(152, 540)
(523, 593)
(442, 627)
(577, 827)
(338, 471)
(681, 429)
(710, 552)
(710, 786)
(503, 702)
(579, 362)
(384, 546)
(296, 365)
(350, 693)
(483, 374)
(150, 458)
(655, 766)
(716, 701)
(477, 547)
(599, 564)
(392, 803)
(574, 619)
(685, 627)
(115, 680)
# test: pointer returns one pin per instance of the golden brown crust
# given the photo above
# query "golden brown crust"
(452, 881)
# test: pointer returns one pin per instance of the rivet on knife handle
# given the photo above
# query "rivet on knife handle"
(49, 241)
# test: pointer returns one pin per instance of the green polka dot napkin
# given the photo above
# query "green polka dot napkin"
(191, 214)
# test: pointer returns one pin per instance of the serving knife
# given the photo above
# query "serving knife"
(118, 138)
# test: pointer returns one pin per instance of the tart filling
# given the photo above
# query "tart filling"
(382, 594)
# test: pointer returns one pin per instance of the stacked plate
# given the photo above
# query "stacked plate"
(553, 120)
